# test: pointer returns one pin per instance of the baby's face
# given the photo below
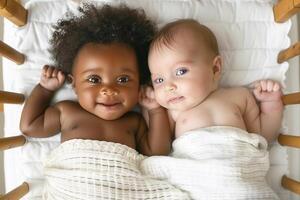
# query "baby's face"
(182, 75)
(106, 79)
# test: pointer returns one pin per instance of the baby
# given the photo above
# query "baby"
(103, 54)
(104, 58)
(185, 67)
(215, 154)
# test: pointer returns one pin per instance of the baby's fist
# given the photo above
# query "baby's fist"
(52, 78)
(147, 98)
(267, 90)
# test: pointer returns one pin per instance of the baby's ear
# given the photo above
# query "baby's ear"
(217, 67)
(70, 80)
(217, 64)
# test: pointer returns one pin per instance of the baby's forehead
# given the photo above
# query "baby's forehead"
(187, 34)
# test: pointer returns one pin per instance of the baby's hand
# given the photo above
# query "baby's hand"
(267, 91)
(147, 98)
(52, 78)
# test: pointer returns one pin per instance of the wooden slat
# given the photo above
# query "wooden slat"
(14, 11)
(289, 140)
(11, 53)
(290, 184)
(284, 9)
(17, 193)
(1, 107)
(293, 98)
(11, 142)
(2, 3)
(11, 97)
(289, 53)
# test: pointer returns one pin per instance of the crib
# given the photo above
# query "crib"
(16, 13)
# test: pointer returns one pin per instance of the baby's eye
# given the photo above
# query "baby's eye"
(94, 79)
(123, 79)
(181, 71)
(158, 80)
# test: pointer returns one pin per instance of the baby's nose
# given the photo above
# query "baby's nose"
(170, 87)
(108, 91)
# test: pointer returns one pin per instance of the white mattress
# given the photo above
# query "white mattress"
(248, 37)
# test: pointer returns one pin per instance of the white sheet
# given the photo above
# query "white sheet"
(91, 169)
(248, 37)
(216, 163)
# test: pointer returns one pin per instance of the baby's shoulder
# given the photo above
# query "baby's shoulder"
(237, 95)
(237, 90)
(67, 105)
(242, 92)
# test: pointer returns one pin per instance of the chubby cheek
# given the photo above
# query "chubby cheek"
(130, 96)
(86, 100)
(160, 97)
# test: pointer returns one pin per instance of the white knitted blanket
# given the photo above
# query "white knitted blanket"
(90, 169)
(221, 162)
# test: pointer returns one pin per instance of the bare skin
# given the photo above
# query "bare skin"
(186, 74)
(106, 81)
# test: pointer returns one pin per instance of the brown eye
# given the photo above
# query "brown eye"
(123, 79)
(94, 79)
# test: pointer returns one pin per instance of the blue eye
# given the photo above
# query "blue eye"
(123, 79)
(94, 79)
(158, 80)
(181, 71)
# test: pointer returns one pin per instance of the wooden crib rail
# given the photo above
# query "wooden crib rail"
(293, 98)
(288, 53)
(17, 193)
(13, 11)
(289, 140)
(290, 184)
(11, 53)
(11, 97)
(284, 9)
(11, 142)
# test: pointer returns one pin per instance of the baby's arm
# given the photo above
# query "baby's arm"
(266, 117)
(157, 138)
(268, 93)
(38, 119)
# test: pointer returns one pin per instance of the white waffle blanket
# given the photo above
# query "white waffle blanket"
(216, 163)
(90, 169)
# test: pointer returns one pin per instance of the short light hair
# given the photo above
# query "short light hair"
(166, 36)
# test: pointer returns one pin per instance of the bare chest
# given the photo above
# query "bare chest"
(88, 126)
(210, 113)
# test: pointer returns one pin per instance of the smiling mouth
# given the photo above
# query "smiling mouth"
(110, 105)
(175, 100)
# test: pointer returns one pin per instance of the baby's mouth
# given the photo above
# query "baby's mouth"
(175, 100)
(110, 105)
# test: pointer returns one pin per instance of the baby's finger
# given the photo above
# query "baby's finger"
(270, 85)
(49, 72)
(257, 92)
(60, 75)
(141, 93)
(152, 94)
(44, 70)
(258, 88)
(276, 87)
(263, 85)
(149, 92)
(257, 85)
(55, 72)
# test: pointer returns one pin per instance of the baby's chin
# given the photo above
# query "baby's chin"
(110, 117)
(180, 108)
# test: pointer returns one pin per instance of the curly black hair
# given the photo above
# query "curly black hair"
(104, 25)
